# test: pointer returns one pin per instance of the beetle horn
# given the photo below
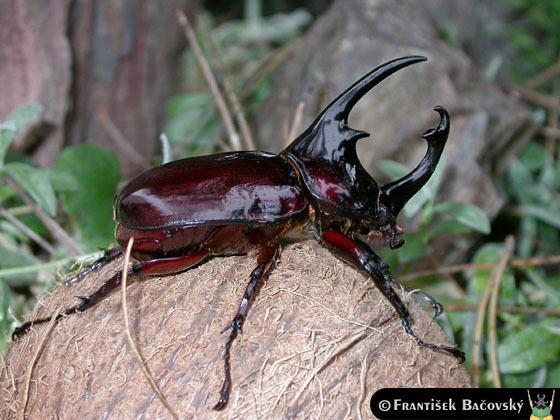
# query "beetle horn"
(325, 137)
(340, 108)
(396, 194)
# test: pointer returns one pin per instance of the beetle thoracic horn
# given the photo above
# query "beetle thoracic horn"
(395, 194)
(324, 137)
(340, 108)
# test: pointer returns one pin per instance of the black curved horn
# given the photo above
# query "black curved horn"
(340, 108)
(330, 129)
(395, 194)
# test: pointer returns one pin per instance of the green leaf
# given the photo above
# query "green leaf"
(180, 104)
(63, 180)
(23, 115)
(467, 214)
(12, 258)
(18, 119)
(532, 379)
(520, 182)
(553, 377)
(549, 215)
(542, 284)
(491, 253)
(36, 183)
(97, 173)
(427, 193)
(5, 322)
(526, 236)
(7, 135)
(528, 348)
(6, 191)
(394, 170)
(413, 249)
(534, 156)
(446, 227)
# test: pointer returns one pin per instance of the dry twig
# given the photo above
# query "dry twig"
(496, 279)
(131, 342)
(54, 228)
(547, 74)
(534, 97)
(553, 114)
(28, 232)
(235, 142)
(246, 134)
(120, 140)
(265, 67)
(296, 122)
(506, 309)
(522, 262)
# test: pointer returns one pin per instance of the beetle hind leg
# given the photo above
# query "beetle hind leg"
(264, 261)
(154, 267)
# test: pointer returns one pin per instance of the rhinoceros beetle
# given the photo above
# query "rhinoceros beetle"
(541, 409)
(188, 211)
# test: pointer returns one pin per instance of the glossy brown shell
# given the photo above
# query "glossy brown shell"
(237, 187)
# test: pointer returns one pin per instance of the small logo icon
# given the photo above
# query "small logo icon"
(541, 410)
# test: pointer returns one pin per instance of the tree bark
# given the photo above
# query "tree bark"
(103, 72)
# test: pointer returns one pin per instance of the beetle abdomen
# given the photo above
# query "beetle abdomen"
(223, 188)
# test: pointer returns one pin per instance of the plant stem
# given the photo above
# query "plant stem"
(496, 279)
(235, 142)
(54, 228)
(27, 231)
(8, 272)
(523, 262)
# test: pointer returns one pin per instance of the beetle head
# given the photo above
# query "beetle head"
(326, 157)
(541, 401)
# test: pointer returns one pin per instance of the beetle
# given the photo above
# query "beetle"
(540, 409)
(185, 212)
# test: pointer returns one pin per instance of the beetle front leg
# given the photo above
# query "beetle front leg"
(162, 266)
(108, 255)
(264, 261)
(363, 258)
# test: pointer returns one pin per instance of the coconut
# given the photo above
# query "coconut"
(319, 340)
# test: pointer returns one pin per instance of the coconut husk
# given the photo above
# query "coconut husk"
(319, 341)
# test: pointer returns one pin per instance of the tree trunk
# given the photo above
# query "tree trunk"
(102, 70)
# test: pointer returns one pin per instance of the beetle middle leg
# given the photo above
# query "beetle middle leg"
(264, 261)
(161, 266)
(360, 255)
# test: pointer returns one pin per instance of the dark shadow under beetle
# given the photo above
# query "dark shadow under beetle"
(188, 211)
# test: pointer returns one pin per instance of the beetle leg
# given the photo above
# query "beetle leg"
(161, 266)
(363, 258)
(108, 255)
(264, 261)
(436, 306)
